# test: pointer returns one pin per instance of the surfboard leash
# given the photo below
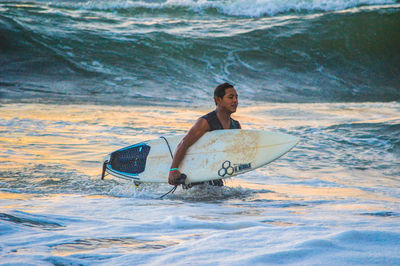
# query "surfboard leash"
(172, 156)
(171, 191)
(181, 179)
(169, 148)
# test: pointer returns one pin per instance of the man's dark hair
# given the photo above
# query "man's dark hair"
(220, 89)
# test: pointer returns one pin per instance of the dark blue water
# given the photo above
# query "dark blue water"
(80, 79)
(141, 52)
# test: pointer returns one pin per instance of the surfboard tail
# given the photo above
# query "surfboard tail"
(105, 162)
(104, 170)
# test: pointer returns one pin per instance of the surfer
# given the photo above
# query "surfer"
(226, 101)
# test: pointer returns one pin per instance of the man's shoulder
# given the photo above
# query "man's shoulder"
(209, 115)
(235, 124)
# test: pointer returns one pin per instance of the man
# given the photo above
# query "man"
(226, 100)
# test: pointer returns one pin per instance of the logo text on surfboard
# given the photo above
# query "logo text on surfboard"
(229, 169)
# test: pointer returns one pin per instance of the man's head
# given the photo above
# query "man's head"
(225, 96)
(220, 90)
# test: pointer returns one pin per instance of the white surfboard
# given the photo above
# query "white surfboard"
(218, 154)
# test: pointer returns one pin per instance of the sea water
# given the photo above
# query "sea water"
(80, 79)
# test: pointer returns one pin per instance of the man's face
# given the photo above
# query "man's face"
(230, 100)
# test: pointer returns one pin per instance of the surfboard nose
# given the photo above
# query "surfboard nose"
(293, 139)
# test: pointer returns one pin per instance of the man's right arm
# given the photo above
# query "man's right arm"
(194, 134)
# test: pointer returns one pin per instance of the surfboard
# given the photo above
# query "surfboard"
(216, 155)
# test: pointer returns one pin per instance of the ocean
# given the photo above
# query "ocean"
(80, 79)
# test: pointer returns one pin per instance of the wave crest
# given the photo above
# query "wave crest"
(247, 8)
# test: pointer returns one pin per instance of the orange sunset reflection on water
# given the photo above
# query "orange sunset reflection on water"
(80, 136)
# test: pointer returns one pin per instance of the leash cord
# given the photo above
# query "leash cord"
(172, 156)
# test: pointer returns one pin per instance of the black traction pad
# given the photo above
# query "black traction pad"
(130, 160)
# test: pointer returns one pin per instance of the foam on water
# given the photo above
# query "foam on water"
(234, 8)
(334, 199)
(175, 56)
(119, 72)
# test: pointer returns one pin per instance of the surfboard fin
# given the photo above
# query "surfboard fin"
(104, 169)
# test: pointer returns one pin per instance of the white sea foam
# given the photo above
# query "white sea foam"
(310, 207)
(184, 223)
(271, 7)
(248, 8)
